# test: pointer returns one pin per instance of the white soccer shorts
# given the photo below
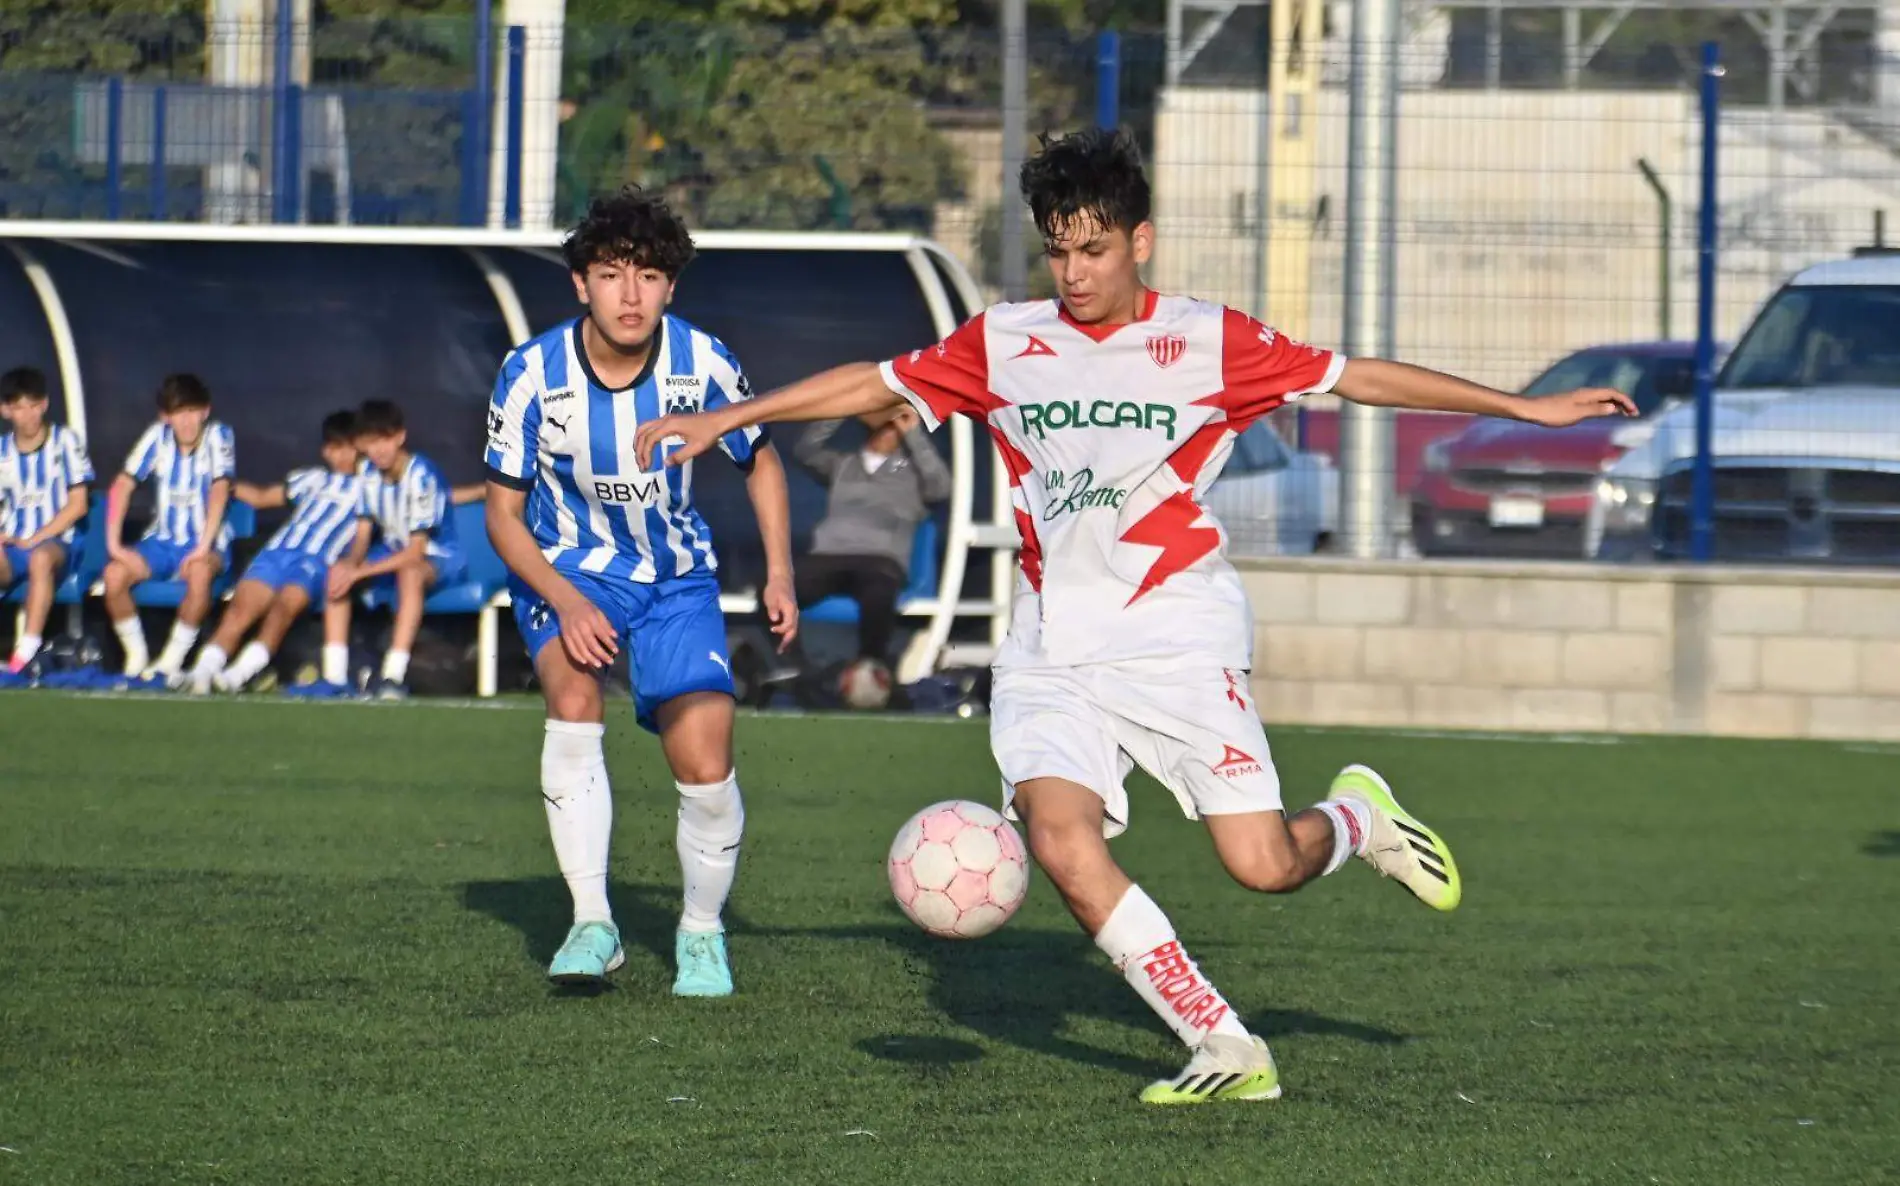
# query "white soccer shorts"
(1192, 726)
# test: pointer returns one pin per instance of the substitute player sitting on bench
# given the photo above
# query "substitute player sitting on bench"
(288, 576)
(43, 495)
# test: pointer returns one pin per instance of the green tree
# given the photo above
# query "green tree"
(762, 113)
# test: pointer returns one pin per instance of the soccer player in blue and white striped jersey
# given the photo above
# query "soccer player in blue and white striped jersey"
(405, 508)
(606, 557)
(44, 477)
(191, 461)
(288, 575)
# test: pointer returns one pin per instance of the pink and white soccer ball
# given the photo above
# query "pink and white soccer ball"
(958, 869)
(865, 684)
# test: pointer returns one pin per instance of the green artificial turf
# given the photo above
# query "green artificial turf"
(273, 942)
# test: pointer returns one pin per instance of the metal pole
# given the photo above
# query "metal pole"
(1263, 189)
(157, 212)
(115, 114)
(1666, 217)
(1702, 487)
(517, 73)
(1365, 434)
(1013, 268)
(1108, 79)
(282, 200)
(1388, 344)
(475, 129)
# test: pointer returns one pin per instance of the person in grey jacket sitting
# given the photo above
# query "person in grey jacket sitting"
(880, 492)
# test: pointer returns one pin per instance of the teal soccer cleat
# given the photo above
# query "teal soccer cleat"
(592, 950)
(703, 968)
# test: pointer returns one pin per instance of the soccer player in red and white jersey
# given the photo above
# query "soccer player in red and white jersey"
(1114, 408)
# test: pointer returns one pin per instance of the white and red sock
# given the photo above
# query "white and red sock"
(1352, 823)
(1140, 940)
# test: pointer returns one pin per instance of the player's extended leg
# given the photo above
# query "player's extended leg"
(120, 576)
(198, 573)
(696, 734)
(247, 605)
(44, 567)
(580, 805)
(1065, 824)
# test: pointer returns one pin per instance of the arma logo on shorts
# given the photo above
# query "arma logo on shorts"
(1236, 763)
(1039, 420)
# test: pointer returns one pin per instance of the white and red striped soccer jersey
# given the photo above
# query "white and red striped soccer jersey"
(1111, 435)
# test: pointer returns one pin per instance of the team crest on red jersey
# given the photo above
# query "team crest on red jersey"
(1166, 349)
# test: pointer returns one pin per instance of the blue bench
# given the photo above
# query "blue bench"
(486, 575)
(169, 594)
(839, 610)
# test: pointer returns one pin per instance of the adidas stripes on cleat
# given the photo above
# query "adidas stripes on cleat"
(1399, 846)
(1223, 1068)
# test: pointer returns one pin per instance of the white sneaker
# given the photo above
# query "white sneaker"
(1223, 1068)
(1400, 847)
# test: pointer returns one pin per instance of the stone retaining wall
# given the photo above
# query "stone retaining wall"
(1563, 647)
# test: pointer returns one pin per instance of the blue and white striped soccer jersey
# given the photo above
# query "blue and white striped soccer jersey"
(182, 481)
(324, 509)
(627, 537)
(34, 488)
(417, 501)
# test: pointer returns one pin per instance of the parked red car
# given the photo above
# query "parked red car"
(1499, 488)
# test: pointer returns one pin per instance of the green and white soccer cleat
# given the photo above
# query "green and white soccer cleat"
(1401, 847)
(1224, 1068)
(704, 970)
(591, 951)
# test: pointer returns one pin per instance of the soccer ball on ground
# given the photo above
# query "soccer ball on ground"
(865, 684)
(958, 869)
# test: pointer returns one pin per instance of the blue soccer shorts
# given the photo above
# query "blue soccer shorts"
(671, 631)
(164, 557)
(288, 568)
(18, 559)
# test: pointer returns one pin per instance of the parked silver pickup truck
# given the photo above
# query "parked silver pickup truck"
(1806, 436)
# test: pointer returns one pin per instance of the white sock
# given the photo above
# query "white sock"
(172, 658)
(254, 658)
(712, 819)
(580, 812)
(396, 666)
(1352, 823)
(336, 662)
(25, 647)
(210, 661)
(132, 640)
(1141, 942)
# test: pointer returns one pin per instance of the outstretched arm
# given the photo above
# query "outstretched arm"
(849, 390)
(1379, 383)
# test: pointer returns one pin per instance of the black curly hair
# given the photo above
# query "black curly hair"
(630, 227)
(1095, 173)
